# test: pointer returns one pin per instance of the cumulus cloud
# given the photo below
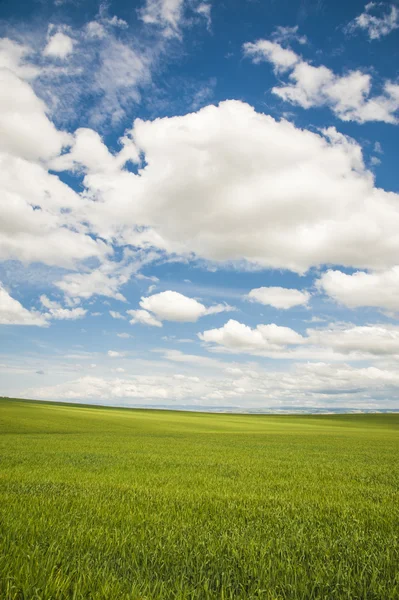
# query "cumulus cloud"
(236, 336)
(227, 183)
(349, 96)
(375, 25)
(279, 297)
(172, 306)
(13, 313)
(14, 57)
(59, 46)
(379, 289)
(334, 342)
(37, 218)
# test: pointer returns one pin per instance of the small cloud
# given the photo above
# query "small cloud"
(143, 317)
(288, 34)
(278, 297)
(114, 354)
(124, 335)
(204, 10)
(116, 315)
(376, 25)
(59, 46)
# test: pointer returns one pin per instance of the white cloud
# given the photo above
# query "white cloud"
(166, 14)
(288, 34)
(279, 297)
(115, 354)
(13, 313)
(97, 282)
(169, 17)
(95, 30)
(378, 340)
(55, 310)
(123, 71)
(117, 22)
(172, 306)
(235, 336)
(14, 58)
(107, 72)
(335, 342)
(116, 315)
(124, 335)
(379, 289)
(37, 218)
(348, 96)
(59, 45)
(375, 26)
(282, 59)
(204, 9)
(228, 183)
(143, 317)
(105, 279)
(305, 384)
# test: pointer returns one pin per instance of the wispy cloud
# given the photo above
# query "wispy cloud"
(377, 20)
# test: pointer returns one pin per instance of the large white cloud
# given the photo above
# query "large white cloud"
(13, 313)
(379, 289)
(228, 183)
(39, 214)
(26, 131)
(349, 95)
(279, 297)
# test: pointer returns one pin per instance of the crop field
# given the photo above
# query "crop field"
(104, 503)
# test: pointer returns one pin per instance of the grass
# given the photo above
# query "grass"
(101, 503)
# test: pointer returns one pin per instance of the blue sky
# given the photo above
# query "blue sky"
(199, 203)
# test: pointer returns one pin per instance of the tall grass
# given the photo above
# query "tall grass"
(100, 503)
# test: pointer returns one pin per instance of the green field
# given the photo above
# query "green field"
(104, 503)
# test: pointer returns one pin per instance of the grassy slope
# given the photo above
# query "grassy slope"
(109, 503)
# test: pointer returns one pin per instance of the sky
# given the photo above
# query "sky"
(199, 203)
